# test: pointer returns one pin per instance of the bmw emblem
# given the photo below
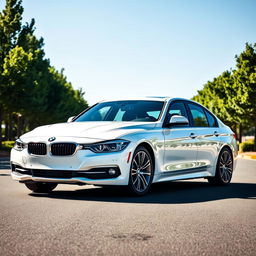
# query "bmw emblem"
(52, 139)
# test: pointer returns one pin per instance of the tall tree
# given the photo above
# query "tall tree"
(32, 92)
(244, 100)
(10, 24)
(232, 95)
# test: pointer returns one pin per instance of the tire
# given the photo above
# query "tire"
(141, 172)
(41, 187)
(224, 169)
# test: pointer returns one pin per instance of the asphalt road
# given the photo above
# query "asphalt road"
(178, 218)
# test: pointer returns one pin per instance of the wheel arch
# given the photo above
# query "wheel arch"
(226, 146)
(150, 150)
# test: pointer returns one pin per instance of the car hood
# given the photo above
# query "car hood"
(93, 131)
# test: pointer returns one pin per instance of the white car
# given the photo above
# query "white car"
(131, 143)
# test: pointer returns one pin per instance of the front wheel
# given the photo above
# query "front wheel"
(41, 187)
(224, 169)
(141, 172)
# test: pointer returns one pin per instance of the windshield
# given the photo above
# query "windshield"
(125, 111)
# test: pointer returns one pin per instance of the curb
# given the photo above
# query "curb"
(251, 155)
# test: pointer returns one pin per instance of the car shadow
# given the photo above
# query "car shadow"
(182, 192)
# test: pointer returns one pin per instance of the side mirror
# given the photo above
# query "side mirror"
(178, 120)
(70, 119)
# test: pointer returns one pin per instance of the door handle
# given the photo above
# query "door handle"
(192, 135)
(216, 133)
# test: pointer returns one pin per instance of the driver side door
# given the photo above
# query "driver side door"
(180, 143)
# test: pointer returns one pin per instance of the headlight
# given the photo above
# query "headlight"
(108, 146)
(19, 145)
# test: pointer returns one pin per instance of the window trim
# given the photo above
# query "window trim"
(167, 111)
(205, 110)
(215, 120)
(81, 113)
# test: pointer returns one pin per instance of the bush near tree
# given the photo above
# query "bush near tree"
(246, 146)
(32, 91)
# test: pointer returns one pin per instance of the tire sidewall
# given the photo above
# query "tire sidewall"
(130, 184)
(218, 173)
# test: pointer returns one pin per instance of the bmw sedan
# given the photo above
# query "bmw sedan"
(131, 143)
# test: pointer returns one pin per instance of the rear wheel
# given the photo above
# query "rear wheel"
(224, 169)
(41, 187)
(141, 172)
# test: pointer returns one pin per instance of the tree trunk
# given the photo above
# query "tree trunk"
(6, 128)
(22, 125)
(240, 133)
(9, 127)
(18, 126)
(255, 136)
(1, 116)
(9, 132)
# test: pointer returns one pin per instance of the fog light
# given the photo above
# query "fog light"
(111, 171)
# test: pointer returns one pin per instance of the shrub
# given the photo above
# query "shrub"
(246, 146)
(7, 145)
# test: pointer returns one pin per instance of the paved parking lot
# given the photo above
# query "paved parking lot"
(178, 218)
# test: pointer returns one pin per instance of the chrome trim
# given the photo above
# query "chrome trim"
(186, 171)
(21, 170)
(90, 172)
(97, 166)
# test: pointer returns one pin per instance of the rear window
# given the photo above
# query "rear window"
(198, 115)
(211, 120)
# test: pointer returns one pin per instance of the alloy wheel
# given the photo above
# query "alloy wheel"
(226, 166)
(141, 171)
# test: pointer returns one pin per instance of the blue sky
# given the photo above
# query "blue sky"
(144, 47)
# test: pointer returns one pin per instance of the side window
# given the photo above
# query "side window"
(211, 119)
(198, 115)
(176, 108)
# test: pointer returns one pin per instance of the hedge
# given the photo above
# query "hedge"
(246, 146)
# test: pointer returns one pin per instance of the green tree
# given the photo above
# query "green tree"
(232, 95)
(32, 91)
(10, 24)
(214, 97)
(244, 86)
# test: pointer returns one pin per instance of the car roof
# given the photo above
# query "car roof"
(149, 98)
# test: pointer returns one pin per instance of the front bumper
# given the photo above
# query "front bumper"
(84, 167)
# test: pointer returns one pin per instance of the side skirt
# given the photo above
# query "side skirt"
(193, 173)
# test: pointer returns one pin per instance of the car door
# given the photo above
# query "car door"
(179, 141)
(205, 127)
